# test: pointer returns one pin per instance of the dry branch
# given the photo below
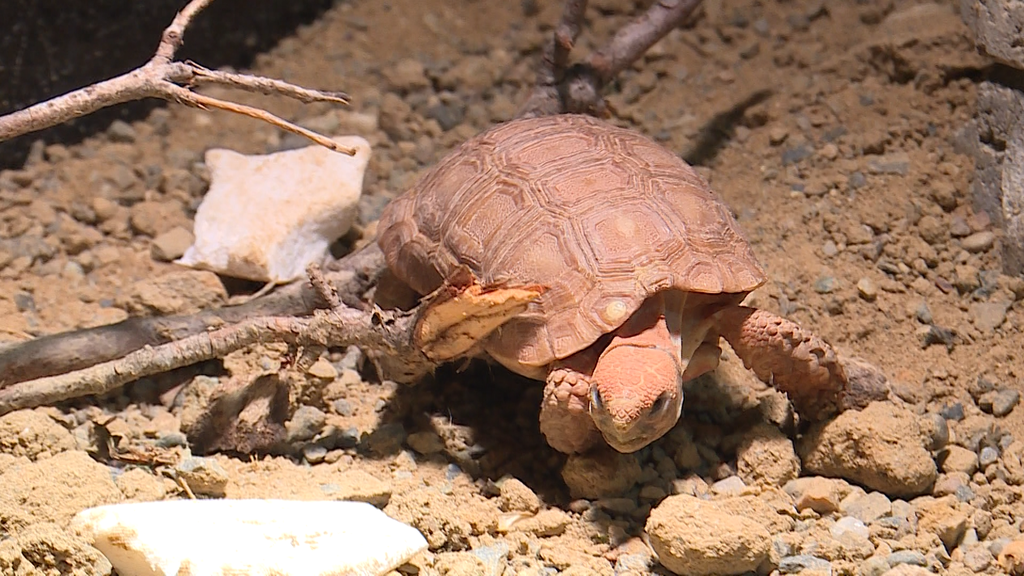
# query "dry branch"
(164, 78)
(69, 351)
(578, 89)
(387, 333)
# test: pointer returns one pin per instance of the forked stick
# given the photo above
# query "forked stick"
(577, 89)
(164, 78)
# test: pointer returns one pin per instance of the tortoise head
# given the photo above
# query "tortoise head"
(636, 394)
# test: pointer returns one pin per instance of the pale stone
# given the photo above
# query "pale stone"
(257, 537)
(267, 217)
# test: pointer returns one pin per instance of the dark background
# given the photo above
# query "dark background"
(49, 47)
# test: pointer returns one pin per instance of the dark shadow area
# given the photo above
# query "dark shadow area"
(495, 411)
(722, 127)
(49, 47)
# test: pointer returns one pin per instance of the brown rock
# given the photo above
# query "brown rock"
(942, 518)
(766, 456)
(959, 459)
(49, 548)
(823, 495)
(32, 434)
(517, 497)
(600, 474)
(1011, 558)
(182, 292)
(882, 447)
(153, 218)
(694, 536)
(55, 489)
(170, 245)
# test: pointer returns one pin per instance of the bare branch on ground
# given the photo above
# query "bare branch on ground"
(164, 78)
(68, 351)
(383, 333)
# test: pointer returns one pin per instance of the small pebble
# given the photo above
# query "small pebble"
(939, 431)
(959, 459)
(977, 558)
(518, 497)
(987, 456)
(867, 289)
(892, 163)
(979, 241)
(171, 245)
(954, 411)
(121, 131)
(796, 154)
(867, 508)
(425, 442)
(387, 438)
(731, 486)
(829, 249)
(804, 562)
(600, 474)
(314, 453)
(923, 313)
(777, 135)
(849, 524)
(912, 557)
(306, 422)
(452, 471)
(204, 476)
(999, 403)
(987, 316)
(825, 285)
(823, 495)
(322, 369)
(856, 180)
(343, 407)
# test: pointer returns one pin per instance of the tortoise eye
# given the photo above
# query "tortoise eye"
(660, 404)
(595, 398)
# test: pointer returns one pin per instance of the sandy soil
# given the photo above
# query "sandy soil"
(829, 128)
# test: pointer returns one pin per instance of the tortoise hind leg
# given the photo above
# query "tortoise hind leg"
(791, 359)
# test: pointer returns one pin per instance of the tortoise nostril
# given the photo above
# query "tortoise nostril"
(660, 404)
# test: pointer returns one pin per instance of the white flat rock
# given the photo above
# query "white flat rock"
(266, 217)
(251, 537)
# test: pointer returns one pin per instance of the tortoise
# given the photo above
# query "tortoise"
(643, 269)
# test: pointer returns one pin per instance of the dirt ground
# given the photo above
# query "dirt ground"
(830, 129)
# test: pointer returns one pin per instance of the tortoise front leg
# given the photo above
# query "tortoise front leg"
(565, 417)
(786, 356)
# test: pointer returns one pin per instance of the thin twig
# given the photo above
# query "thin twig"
(566, 32)
(578, 89)
(166, 79)
(268, 86)
(174, 35)
(635, 38)
(185, 96)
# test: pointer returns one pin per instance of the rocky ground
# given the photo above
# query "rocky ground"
(832, 131)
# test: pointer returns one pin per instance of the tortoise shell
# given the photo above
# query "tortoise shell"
(601, 216)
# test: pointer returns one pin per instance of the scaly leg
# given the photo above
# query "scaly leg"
(565, 412)
(791, 359)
